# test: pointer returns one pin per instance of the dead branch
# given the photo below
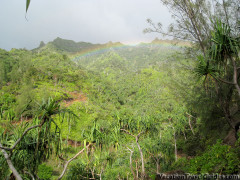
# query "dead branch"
(139, 148)
(130, 162)
(10, 164)
(26, 172)
(66, 165)
(7, 157)
(125, 131)
(24, 133)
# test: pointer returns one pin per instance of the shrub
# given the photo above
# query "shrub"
(45, 172)
(79, 170)
(218, 158)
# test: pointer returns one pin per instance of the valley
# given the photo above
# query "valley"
(128, 104)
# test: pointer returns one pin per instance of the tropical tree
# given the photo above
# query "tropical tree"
(221, 64)
(194, 19)
(27, 148)
(215, 45)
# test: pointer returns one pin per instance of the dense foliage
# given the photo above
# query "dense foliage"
(126, 112)
(118, 97)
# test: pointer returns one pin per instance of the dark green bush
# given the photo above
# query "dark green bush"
(79, 170)
(218, 158)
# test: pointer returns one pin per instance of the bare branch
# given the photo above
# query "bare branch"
(125, 131)
(190, 115)
(154, 158)
(10, 164)
(224, 81)
(26, 172)
(190, 125)
(25, 132)
(60, 157)
(139, 148)
(66, 165)
(7, 157)
(139, 134)
(129, 149)
(235, 75)
(156, 30)
(130, 163)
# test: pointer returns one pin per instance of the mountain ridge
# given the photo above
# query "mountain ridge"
(71, 46)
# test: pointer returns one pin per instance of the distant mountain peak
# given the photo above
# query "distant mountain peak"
(41, 44)
(70, 46)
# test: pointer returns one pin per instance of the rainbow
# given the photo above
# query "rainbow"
(98, 50)
(118, 46)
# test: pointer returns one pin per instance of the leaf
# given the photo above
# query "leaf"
(27, 4)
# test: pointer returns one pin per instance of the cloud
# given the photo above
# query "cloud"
(97, 21)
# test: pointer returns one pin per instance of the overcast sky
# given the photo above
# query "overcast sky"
(96, 21)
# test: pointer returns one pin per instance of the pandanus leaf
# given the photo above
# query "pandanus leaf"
(224, 44)
(205, 68)
(27, 4)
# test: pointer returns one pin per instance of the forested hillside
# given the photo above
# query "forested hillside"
(139, 103)
(168, 109)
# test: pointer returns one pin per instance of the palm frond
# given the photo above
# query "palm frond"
(205, 68)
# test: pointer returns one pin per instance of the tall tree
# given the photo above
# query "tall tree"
(216, 42)
(35, 146)
(194, 19)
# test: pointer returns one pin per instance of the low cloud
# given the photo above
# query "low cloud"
(96, 21)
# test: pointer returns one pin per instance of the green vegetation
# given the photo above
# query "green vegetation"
(45, 172)
(129, 112)
(118, 94)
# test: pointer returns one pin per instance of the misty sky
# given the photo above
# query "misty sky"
(96, 21)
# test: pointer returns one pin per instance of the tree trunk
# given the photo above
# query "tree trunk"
(235, 76)
(100, 175)
(225, 103)
(175, 145)
(137, 169)
(139, 148)
(92, 172)
(142, 159)
(189, 121)
(130, 159)
(158, 167)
